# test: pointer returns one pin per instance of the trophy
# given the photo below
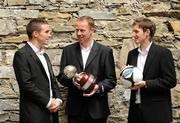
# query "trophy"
(85, 81)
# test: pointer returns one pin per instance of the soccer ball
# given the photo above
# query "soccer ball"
(130, 75)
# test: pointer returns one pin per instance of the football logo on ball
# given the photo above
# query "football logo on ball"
(130, 74)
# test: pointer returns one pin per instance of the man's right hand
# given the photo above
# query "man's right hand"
(76, 84)
(55, 105)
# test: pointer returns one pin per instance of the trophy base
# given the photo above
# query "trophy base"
(89, 85)
(89, 89)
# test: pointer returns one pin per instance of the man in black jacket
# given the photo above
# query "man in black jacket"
(93, 58)
(150, 100)
(39, 93)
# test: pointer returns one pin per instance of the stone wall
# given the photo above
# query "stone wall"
(113, 22)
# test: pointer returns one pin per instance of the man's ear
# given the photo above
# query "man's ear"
(35, 34)
(148, 31)
(92, 29)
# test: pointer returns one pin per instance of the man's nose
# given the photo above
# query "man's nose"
(50, 35)
(78, 32)
(133, 34)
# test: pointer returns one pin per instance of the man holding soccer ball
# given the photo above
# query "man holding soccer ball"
(150, 100)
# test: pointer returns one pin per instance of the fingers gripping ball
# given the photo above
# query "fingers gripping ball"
(130, 74)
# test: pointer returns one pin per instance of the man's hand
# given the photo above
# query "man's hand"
(95, 89)
(55, 105)
(138, 85)
(76, 84)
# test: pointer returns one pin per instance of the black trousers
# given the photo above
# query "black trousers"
(80, 119)
(138, 118)
(84, 117)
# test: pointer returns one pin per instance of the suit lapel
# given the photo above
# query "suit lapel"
(92, 54)
(133, 58)
(36, 59)
(49, 65)
(78, 54)
(149, 58)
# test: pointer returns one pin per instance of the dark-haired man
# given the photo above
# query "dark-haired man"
(39, 93)
(150, 100)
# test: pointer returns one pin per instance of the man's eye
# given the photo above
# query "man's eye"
(135, 31)
(47, 31)
(80, 30)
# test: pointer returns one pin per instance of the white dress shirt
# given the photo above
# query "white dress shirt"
(140, 65)
(41, 57)
(85, 53)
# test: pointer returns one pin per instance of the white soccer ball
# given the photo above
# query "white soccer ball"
(130, 75)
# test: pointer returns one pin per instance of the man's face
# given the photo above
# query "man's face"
(83, 31)
(138, 35)
(44, 35)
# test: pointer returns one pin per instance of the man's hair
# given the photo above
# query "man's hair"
(34, 25)
(144, 24)
(89, 19)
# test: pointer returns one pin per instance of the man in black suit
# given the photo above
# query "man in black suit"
(39, 93)
(93, 58)
(150, 100)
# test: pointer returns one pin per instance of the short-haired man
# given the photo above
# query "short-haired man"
(39, 93)
(150, 100)
(93, 58)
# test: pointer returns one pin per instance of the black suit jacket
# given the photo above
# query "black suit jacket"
(159, 74)
(100, 63)
(34, 87)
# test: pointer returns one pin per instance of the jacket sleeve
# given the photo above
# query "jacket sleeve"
(61, 77)
(167, 78)
(109, 81)
(55, 88)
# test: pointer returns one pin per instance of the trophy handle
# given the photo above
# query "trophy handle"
(82, 78)
(89, 85)
(78, 76)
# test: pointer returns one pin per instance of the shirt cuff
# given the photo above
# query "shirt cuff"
(49, 103)
(101, 89)
(60, 100)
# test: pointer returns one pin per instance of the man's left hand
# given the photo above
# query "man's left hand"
(95, 89)
(138, 85)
